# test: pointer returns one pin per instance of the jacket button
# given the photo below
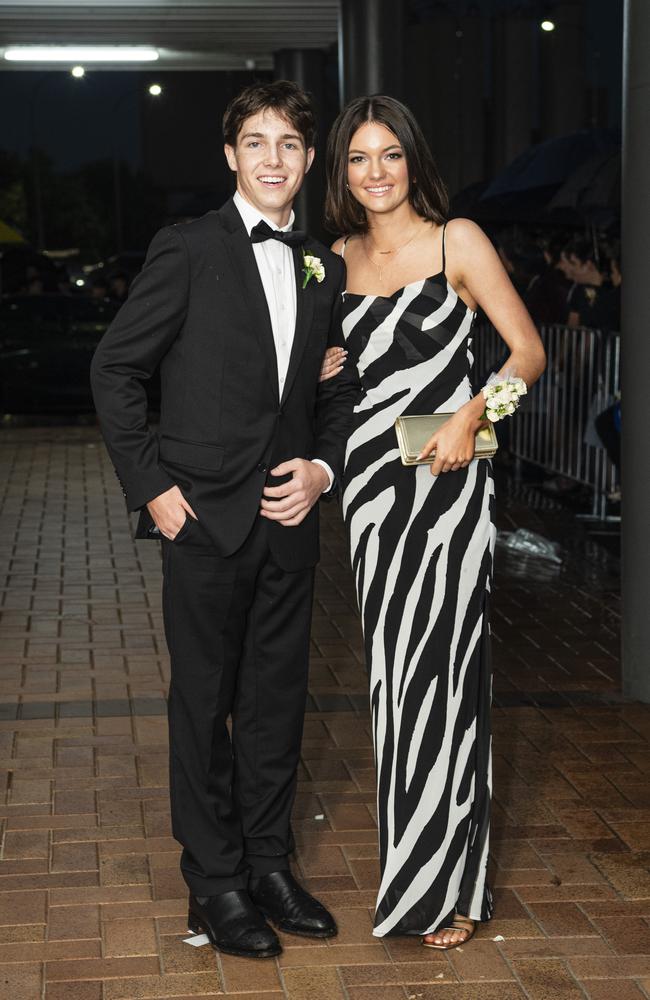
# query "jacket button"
(261, 467)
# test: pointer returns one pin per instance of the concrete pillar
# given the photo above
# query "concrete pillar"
(371, 56)
(635, 353)
(445, 75)
(563, 71)
(515, 86)
(307, 68)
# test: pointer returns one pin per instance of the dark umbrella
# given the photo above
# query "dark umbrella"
(592, 192)
(551, 162)
(522, 206)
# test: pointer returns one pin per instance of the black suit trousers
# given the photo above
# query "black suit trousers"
(237, 628)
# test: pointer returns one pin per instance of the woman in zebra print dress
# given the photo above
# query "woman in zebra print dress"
(421, 538)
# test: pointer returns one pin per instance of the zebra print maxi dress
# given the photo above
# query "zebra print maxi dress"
(422, 557)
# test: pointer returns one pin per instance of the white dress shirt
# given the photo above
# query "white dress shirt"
(276, 266)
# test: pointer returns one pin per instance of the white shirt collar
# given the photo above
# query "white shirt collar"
(251, 215)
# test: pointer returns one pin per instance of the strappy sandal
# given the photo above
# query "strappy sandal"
(464, 924)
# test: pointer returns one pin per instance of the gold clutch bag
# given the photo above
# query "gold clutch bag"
(414, 432)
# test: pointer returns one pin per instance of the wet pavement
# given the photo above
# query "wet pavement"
(92, 906)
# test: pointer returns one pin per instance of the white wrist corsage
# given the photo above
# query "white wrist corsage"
(312, 267)
(502, 396)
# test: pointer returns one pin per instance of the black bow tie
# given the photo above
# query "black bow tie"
(262, 232)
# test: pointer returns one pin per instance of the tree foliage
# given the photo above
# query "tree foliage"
(78, 207)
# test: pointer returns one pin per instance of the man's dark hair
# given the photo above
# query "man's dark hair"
(427, 192)
(581, 247)
(284, 97)
(553, 244)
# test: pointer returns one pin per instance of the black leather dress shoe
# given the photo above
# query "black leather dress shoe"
(291, 909)
(233, 925)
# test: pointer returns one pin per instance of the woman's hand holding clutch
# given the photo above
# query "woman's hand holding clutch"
(453, 446)
(332, 363)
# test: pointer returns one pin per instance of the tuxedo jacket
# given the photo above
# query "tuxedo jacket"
(198, 312)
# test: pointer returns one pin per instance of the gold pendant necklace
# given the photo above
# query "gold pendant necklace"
(380, 267)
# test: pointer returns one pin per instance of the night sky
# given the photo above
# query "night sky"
(75, 120)
(76, 123)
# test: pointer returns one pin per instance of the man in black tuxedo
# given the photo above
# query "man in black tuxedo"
(238, 323)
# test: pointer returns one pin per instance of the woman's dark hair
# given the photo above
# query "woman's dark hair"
(284, 97)
(427, 192)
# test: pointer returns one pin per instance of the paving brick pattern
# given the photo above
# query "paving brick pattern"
(92, 906)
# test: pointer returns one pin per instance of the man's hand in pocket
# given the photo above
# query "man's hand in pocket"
(169, 511)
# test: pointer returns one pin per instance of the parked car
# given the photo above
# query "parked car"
(21, 264)
(46, 343)
(129, 262)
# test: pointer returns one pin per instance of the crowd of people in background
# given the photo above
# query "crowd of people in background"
(565, 278)
(569, 279)
(114, 287)
(573, 280)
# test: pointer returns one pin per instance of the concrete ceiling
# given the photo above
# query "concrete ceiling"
(189, 34)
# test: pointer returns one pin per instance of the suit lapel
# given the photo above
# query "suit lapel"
(304, 315)
(245, 267)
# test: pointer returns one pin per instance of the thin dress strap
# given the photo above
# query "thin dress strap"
(345, 243)
(443, 248)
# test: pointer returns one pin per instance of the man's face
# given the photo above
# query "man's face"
(567, 265)
(270, 160)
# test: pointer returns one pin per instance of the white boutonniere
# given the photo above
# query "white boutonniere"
(502, 396)
(312, 267)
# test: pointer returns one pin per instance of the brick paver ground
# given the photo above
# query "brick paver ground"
(92, 906)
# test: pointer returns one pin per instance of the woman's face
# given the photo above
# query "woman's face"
(378, 175)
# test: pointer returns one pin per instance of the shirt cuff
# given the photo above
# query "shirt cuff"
(330, 474)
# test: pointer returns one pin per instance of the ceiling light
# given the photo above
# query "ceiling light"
(80, 53)
(78, 72)
(155, 90)
(547, 25)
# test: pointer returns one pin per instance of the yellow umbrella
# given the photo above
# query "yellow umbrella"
(9, 235)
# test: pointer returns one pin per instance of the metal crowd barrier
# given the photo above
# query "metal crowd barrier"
(554, 427)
